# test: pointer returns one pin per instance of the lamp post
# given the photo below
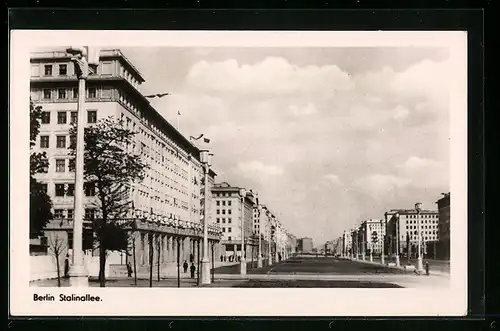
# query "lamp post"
(259, 258)
(243, 264)
(419, 259)
(86, 60)
(398, 264)
(269, 237)
(206, 160)
(371, 243)
(382, 253)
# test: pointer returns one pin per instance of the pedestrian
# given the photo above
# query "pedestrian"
(221, 258)
(225, 258)
(239, 258)
(66, 266)
(129, 269)
(185, 266)
(192, 269)
(427, 268)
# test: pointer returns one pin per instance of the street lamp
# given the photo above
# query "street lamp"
(382, 257)
(86, 61)
(398, 264)
(243, 264)
(419, 259)
(371, 243)
(269, 237)
(259, 258)
(206, 160)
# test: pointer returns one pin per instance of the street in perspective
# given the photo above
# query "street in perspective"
(239, 167)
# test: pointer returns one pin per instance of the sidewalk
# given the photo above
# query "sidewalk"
(166, 271)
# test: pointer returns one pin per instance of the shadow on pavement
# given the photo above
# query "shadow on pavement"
(315, 284)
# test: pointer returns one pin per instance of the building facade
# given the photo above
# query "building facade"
(227, 214)
(305, 245)
(171, 189)
(409, 223)
(373, 232)
(443, 251)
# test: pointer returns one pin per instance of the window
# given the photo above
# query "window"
(60, 165)
(74, 117)
(229, 220)
(91, 116)
(218, 220)
(70, 213)
(106, 93)
(59, 190)
(58, 213)
(223, 229)
(223, 212)
(218, 211)
(89, 214)
(45, 117)
(44, 187)
(223, 220)
(218, 203)
(229, 211)
(61, 141)
(47, 94)
(92, 93)
(71, 165)
(71, 190)
(61, 117)
(229, 203)
(223, 203)
(75, 93)
(63, 70)
(44, 141)
(48, 70)
(229, 238)
(89, 189)
(61, 93)
(228, 229)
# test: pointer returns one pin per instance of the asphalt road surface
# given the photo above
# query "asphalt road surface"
(312, 265)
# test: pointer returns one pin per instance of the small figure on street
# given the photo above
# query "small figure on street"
(221, 258)
(192, 269)
(427, 268)
(66, 266)
(129, 269)
(185, 266)
(239, 258)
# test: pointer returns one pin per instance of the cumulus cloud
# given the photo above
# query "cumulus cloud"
(273, 75)
(426, 173)
(377, 184)
(258, 168)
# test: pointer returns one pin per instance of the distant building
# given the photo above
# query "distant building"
(227, 215)
(410, 223)
(305, 245)
(372, 233)
(443, 251)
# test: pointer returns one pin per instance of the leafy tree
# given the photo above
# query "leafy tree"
(110, 167)
(40, 202)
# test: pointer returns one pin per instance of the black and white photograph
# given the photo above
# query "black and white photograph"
(172, 168)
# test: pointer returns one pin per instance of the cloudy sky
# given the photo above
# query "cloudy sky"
(327, 136)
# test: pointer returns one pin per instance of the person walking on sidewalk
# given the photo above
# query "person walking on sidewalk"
(185, 266)
(129, 269)
(221, 258)
(192, 269)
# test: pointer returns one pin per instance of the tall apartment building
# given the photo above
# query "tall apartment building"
(443, 251)
(173, 183)
(227, 214)
(370, 229)
(411, 222)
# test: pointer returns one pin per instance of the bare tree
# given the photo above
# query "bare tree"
(57, 245)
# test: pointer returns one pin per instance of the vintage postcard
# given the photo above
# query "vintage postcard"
(238, 173)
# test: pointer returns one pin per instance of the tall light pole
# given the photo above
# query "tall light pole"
(259, 258)
(371, 243)
(206, 160)
(269, 237)
(243, 263)
(419, 259)
(398, 264)
(382, 257)
(86, 61)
